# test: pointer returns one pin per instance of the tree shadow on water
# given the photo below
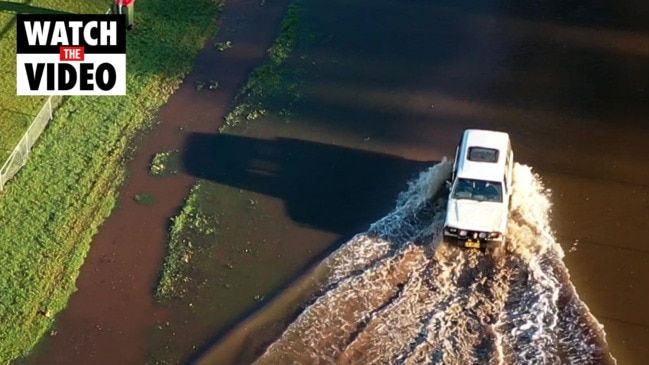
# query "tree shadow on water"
(328, 187)
(333, 188)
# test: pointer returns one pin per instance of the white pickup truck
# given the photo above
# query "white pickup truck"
(480, 190)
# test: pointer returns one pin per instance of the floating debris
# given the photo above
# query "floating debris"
(223, 46)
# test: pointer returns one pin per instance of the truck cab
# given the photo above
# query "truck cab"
(480, 190)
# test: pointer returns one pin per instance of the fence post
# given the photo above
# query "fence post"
(17, 159)
(26, 151)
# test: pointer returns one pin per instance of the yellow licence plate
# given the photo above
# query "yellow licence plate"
(472, 244)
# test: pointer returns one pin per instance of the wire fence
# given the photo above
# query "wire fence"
(20, 154)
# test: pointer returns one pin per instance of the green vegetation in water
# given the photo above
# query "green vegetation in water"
(54, 206)
(267, 85)
(145, 199)
(210, 85)
(165, 164)
(223, 46)
(188, 228)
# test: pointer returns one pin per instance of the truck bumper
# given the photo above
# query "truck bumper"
(472, 241)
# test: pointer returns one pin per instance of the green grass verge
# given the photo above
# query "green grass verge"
(266, 89)
(189, 228)
(17, 112)
(55, 205)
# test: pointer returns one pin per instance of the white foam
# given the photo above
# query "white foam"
(397, 297)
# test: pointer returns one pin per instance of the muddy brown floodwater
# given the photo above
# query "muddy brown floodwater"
(389, 85)
(109, 316)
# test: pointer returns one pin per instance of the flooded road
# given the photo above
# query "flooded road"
(568, 82)
(387, 88)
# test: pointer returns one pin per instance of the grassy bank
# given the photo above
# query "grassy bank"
(17, 112)
(53, 208)
(189, 229)
(267, 90)
(264, 85)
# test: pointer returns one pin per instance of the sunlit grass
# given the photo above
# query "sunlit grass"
(17, 112)
(54, 206)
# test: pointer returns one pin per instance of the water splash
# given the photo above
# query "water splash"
(395, 295)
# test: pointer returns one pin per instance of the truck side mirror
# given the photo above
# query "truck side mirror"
(448, 184)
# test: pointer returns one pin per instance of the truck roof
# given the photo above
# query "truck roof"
(492, 171)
